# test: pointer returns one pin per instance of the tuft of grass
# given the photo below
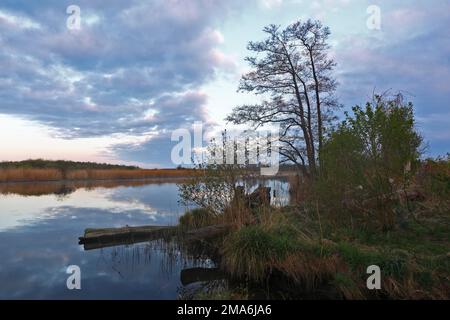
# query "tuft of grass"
(358, 259)
(252, 251)
(197, 218)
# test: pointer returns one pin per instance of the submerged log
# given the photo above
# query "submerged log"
(110, 237)
(193, 275)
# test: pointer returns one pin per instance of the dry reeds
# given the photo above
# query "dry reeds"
(19, 175)
(33, 175)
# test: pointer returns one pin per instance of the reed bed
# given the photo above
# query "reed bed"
(34, 175)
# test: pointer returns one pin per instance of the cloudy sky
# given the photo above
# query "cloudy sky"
(136, 70)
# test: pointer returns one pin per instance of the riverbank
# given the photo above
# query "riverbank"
(291, 254)
(330, 242)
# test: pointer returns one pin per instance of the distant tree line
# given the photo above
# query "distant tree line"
(60, 164)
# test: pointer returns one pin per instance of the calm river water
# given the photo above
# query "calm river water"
(39, 229)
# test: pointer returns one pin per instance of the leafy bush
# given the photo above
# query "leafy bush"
(369, 157)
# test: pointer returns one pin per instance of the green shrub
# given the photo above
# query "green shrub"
(370, 156)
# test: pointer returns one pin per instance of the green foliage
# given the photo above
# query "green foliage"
(370, 156)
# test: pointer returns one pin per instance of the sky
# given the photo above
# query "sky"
(116, 88)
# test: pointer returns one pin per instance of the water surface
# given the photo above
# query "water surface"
(39, 229)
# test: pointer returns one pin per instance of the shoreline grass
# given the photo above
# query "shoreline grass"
(414, 261)
(302, 250)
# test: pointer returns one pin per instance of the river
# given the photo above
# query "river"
(39, 228)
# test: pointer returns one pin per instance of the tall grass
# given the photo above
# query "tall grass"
(32, 175)
(18, 175)
(252, 251)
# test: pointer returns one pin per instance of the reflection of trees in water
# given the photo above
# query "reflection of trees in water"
(37, 189)
(171, 255)
(64, 191)
(194, 262)
(64, 188)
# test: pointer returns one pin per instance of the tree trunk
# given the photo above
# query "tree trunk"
(309, 140)
(319, 111)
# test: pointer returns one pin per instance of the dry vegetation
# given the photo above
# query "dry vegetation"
(373, 203)
(302, 251)
(49, 174)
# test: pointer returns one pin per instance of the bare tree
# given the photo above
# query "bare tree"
(292, 71)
